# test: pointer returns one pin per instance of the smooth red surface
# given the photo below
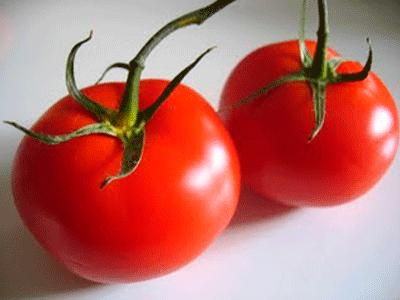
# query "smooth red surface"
(351, 153)
(182, 195)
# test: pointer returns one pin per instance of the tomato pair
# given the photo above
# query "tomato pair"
(135, 189)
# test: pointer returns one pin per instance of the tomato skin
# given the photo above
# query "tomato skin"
(353, 150)
(182, 195)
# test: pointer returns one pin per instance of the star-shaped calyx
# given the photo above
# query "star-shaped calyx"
(128, 123)
(317, 71)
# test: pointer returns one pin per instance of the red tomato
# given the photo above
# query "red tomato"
(181, 196)
(350, 154)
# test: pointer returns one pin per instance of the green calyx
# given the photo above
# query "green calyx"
(127, 123)
(317, 71)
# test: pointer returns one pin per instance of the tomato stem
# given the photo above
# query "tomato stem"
(127, 124)
(305, 56)
(129, 109)
(318, 72)
(130, 102)
(120, 65)
(99, 111)
(149, 112)
(320, 65)
(358, 76)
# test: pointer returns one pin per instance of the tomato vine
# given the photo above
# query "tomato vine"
(128, 123)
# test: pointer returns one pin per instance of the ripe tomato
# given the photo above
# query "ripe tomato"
(349, 155)
(181, 196)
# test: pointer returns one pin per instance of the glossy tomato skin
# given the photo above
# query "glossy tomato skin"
(351, 153)
(182, 195)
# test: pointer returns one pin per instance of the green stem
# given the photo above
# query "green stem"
(150, 111)
(318, 72)
(305, 57)
(119, 65)
(195, 17)
(358, 76)
(130, 102)
(99, 111)
(320, 64)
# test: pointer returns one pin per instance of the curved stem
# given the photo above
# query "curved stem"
(129, 105)
(133, 151)
(319, 103)
(99, 111)
(351, 77)
(119, 65)
(293, 77)
(149, 112)
(195, 17)
(319, 66)
(127, 114)
(49, 139)
(305, 56)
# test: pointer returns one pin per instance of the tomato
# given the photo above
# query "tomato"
(350, 154)
(181, 196)
(127, 181)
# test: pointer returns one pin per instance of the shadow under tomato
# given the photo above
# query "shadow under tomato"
(253, 208)
(25, 269)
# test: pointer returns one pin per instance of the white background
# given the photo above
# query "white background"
(346, 252)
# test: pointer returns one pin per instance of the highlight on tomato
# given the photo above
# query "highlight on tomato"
(310, 128)
(127, 181)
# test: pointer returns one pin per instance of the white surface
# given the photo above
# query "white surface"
(346, 252)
